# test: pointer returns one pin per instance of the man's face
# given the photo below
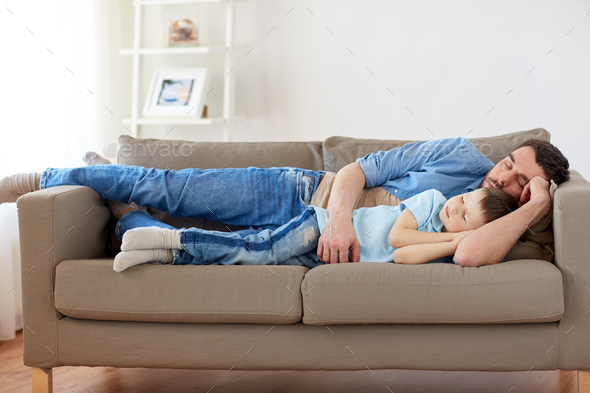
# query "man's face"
(463, 212)
(514, 172)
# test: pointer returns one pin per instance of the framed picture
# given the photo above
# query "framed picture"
(182, 28)
(177, 92)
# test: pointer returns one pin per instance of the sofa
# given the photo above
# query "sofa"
(530, 311)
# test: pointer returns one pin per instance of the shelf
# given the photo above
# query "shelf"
(173, 51)
(178, 120)
(173, 121)
(228, 49)
(164, 2)
(179, 50)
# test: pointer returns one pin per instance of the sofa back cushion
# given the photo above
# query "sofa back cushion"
(166, 153)
(340, 151)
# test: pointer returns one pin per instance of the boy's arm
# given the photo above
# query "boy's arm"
(424, 253)
(405, 233)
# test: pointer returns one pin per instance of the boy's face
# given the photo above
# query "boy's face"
(463, 212)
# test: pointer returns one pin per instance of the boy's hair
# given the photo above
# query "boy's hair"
(496, 203)
(550, 159)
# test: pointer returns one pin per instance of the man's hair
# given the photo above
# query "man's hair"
(496, 203)
(550, 159)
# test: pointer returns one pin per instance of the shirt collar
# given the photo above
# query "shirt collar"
(475, 185)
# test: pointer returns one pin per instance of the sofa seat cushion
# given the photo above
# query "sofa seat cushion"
(90, 289)
(520, 291)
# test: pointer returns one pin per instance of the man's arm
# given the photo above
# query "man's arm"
(490, 243)
(338, 236)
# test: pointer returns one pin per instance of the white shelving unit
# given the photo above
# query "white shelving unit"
(229, 75)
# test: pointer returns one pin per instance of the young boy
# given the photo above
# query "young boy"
(421, 229)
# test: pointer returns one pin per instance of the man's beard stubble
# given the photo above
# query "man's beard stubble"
(486, 179)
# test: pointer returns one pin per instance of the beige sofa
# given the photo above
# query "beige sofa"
(507, 317)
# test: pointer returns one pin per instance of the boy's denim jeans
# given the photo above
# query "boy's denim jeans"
(294, 243)
(267, 197)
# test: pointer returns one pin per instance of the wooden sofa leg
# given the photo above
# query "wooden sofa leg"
(583, 381)
(42, 380)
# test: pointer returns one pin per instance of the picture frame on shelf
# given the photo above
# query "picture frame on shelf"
(177, 92)
(181, 28)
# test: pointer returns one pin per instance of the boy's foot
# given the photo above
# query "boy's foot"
(92, 158)
(146, 238)
(14, 186)
(126, 259)
(119, 209)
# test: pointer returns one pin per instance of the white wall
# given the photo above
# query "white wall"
(449, 63)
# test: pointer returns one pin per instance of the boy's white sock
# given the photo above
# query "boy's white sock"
(14, 186)
(146, 238)
(126, 259)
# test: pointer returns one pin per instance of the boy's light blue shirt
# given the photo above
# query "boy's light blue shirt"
(452, 166)
(373, 224)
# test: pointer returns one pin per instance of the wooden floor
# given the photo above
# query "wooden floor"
(16, 378)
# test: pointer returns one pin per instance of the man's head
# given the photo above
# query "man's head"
(474, 209)
(532, 158)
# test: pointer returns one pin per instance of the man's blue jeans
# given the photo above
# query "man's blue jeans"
(294, 243)
(267, 197)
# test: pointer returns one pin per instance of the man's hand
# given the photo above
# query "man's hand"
(536, 192)
(338, 238)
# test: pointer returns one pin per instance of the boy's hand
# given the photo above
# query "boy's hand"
(458, 236)
(337, 240)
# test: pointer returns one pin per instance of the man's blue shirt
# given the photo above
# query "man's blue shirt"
(452, 166)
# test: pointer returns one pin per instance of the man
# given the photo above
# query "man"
(271, 197)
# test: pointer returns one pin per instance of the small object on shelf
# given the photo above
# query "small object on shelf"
(204, 115)
(181, 29)
(177, 92)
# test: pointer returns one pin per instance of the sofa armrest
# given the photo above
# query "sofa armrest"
(571, 227)
(55, 224)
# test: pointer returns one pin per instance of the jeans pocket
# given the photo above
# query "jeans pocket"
(306, 186)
